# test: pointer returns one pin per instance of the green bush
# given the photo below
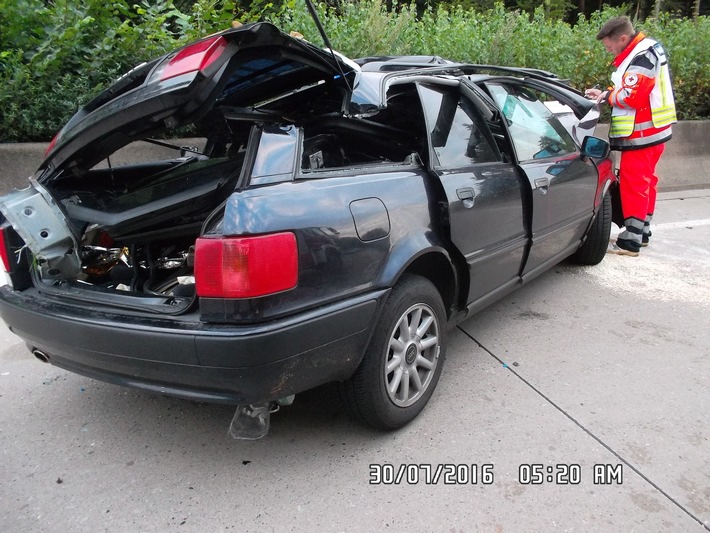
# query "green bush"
(686, 43)
(512, 38)
(54, 56)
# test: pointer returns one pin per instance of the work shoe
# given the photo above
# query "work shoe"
(623, 247)
(645, 238)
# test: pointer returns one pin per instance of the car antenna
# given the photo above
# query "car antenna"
(313, 13)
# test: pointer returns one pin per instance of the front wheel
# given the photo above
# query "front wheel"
(594, 248)
(402, 365)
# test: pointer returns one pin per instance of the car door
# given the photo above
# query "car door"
(563, 184)
(484, 194)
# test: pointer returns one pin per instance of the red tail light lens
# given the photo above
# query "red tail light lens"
(194, 57)
(4, 252)
(246, 267)
(50, 147)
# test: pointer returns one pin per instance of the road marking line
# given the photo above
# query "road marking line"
(685, 224)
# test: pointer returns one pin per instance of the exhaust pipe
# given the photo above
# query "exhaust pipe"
(39, 354)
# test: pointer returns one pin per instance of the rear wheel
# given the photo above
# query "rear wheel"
(402, 365)
(594, 247)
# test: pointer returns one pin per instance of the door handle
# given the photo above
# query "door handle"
(541, 184)
(467, 196)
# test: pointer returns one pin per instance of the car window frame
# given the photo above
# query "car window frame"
(480, 115)
(553, 121)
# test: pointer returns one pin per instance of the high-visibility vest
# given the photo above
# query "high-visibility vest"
(662, 105)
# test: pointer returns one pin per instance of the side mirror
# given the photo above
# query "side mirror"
(595, 147)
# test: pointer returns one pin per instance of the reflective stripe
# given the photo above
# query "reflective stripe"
(621, 125)
(647, 225)
(662, 116)
(644, 125)
(664, 89)
(633, 231)
(639, 142)
(663, 112)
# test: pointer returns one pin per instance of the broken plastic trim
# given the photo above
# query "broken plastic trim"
(44, 228)
(252, 422)
(87, 294)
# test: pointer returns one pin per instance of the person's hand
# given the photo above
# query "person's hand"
(596, 94)
(593, 94)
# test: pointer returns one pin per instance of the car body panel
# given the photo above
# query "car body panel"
(481, 192)
(335, 261)
(560, 213)
(193, 360)
(410, 166)
(560, 180)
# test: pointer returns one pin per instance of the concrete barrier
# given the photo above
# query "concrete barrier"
(683, 165)
(686, 159)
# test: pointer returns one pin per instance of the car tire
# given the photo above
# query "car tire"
(402, 364)
(594, 248)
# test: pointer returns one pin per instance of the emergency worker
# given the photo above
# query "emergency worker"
(643, 110)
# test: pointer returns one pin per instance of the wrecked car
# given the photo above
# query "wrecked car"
(252, 216)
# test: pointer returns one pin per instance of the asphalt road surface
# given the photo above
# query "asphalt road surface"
(581, 402)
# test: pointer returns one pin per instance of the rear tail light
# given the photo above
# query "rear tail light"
(245, 267)
(15, 263)
(50, 147)
(194, 58)
(4, 251)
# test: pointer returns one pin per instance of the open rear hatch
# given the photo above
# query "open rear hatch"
(105, 223)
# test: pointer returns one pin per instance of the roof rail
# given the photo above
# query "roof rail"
(399, 63)
(523, 71)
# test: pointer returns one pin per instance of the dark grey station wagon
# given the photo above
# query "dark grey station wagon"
(252, 216)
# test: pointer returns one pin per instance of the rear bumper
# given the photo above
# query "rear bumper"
(183, 357)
